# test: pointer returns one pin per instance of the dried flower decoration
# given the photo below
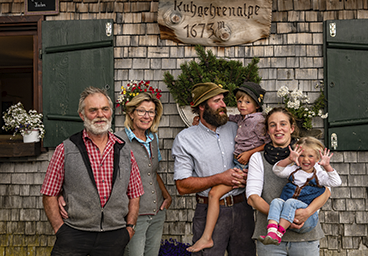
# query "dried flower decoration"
(134, 88)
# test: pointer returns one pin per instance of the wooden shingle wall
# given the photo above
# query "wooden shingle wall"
(292, 56)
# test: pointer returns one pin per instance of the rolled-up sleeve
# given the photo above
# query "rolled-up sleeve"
(184, 164)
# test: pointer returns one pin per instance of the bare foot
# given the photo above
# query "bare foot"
(200, 245)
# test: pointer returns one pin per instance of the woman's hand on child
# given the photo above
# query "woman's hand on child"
(301, 215)
(294, 154)
(325, 159)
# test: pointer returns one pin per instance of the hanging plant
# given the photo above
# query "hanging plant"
(229, 73)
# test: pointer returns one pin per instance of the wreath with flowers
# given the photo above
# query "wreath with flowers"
(132, 89)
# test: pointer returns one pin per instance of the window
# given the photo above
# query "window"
(19, 63)
(50, 76)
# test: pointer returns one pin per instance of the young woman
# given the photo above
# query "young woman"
(263, 186)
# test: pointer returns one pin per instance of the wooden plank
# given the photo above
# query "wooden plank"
(76, 54)
(16, 148)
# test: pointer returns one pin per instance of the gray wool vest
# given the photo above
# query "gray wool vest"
(80, 191)
(152, 198)
(272, 187)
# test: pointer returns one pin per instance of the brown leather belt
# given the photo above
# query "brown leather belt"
(227, 201)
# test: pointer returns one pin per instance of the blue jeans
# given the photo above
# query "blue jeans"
(286, 210)
(239, 165)
(147, 237)
(309, 248)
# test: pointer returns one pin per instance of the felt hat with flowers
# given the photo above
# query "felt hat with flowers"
(255, 91)
(204, 91)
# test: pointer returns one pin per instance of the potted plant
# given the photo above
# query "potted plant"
(303, 110)
(18, 120)
(229, 73)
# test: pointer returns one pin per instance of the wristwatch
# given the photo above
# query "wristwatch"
(131, 225)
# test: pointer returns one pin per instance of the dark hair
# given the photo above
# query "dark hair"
(288, 114)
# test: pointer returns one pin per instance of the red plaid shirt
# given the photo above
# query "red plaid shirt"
(102, 167)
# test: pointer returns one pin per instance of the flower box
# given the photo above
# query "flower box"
(14, 147)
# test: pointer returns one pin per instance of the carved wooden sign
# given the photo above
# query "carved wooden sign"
(214, 22)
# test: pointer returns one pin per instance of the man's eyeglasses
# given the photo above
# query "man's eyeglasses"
(142, 112)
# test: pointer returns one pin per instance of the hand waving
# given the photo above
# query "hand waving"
(294, 154)
(325, 157)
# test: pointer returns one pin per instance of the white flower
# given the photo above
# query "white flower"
(293, 104)
(267, 110)
(311, 113)
(283, 91)
(321, 115)
(297, 94)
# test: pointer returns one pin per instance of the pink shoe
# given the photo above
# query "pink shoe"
(272, 235)
(272, 238)
(261, 238)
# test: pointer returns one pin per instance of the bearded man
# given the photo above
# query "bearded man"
(97, 174)
(203, 157)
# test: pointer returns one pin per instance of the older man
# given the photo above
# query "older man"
(97, 174)
(204, 158)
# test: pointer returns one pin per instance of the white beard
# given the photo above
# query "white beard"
(97, 129)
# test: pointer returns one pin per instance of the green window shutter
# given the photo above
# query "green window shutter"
(346, 80)
(75, 55)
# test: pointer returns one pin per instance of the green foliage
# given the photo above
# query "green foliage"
(229, 73)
